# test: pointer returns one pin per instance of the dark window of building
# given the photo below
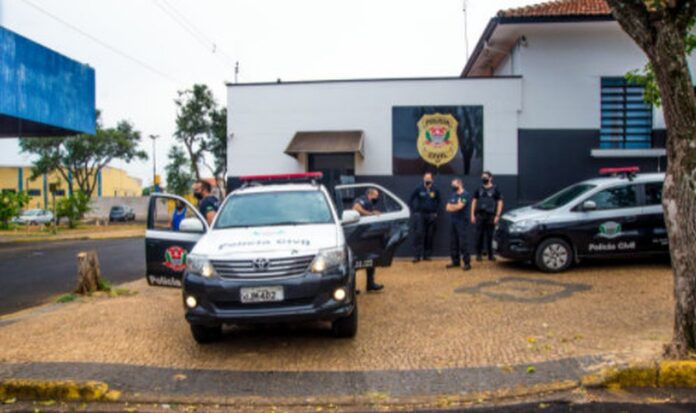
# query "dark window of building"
(617, 197)
(34, 192)
(626, 117)
(653, 193)
(60, 192)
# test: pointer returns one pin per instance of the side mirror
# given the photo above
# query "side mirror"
(589, 206)
(191, 225)
(350, 217)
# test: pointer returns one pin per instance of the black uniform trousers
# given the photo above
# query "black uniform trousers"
(485, 226)
(459, 242)
(424, 226)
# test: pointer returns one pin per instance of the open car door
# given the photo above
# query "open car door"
(375, 238)
(170, 236)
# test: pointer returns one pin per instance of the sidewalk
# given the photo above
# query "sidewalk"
(432, 333)
(38, 234)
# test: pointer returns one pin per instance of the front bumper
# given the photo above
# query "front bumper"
(514, 246)
(307, 297)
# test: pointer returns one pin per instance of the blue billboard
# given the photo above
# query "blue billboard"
(42, 92)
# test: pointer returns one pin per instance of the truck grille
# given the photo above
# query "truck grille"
(276, 267)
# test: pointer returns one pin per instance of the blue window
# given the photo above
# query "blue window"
(626, 118)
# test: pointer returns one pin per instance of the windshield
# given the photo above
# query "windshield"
(563, 197)
(116, 209)
(32, 212)
(275, 208)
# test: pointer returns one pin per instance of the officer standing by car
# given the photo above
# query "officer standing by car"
(208, 204)
(424, 202)
(486, 208)
(365, 205)
(459, 224)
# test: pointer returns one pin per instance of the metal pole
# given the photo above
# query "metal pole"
(154, 162)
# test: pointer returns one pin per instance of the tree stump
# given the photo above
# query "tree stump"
(88, 272)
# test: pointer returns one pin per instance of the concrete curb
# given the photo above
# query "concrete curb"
(668, 373)
(32, 389)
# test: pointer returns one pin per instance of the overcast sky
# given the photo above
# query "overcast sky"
(169, 46)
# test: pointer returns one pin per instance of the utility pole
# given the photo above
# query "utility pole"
(155, 184)
(236, 70)
(466, 29)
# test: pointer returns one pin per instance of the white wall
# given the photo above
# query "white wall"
(264, 118)
(562, 65)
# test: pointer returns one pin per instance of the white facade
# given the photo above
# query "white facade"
(262, 119)
(562, 65)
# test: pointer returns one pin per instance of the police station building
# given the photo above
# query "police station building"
(541, 103)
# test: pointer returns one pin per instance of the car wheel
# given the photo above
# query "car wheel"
(206, 334)
(346, 327)
(554, 255)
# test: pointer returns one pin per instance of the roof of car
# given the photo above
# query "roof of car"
(277, 188)
(638, 178)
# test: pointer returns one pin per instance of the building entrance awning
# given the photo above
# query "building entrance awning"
(326, 142)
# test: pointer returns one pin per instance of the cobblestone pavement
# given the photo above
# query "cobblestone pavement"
(426, 318)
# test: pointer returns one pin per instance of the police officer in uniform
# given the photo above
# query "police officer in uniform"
(208, 204)
(424, 202)
(365, 205)
(486, 208)
(459, 234)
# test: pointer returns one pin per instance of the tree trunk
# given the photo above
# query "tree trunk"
(660, 31)
(679, 193)
(88, 272)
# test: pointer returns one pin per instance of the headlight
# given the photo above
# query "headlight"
(195, 264)
(525, 225)
(328, 259)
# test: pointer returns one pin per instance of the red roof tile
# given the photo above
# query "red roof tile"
(560, 8)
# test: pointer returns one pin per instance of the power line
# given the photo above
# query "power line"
(101, 43)
(180, 19)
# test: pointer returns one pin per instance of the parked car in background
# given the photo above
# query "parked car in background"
(615, 216)
(34, 217)
(121, 213)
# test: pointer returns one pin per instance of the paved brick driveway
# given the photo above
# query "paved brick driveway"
(427, 317)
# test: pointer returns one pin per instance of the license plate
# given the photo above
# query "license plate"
(262, 294)
(495, 245)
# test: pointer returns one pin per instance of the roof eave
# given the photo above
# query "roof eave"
(498, 20)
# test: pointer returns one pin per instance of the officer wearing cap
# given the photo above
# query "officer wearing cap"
(457, 206)
(366, 206)
(486, 208)
(424, 202)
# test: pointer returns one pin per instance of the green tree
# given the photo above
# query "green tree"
(73, 207)
(217, 146)
(82, 157)
(11, 204)
(201, 126)
(194, 123)
(178, 172)
(660, 28)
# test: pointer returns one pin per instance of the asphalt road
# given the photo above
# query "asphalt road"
(34, 272)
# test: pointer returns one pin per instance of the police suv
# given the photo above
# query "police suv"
(613, 216)
(280, 249)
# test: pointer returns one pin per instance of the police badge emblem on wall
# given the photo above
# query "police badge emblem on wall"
(437, 138)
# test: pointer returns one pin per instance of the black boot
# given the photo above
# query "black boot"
(371, 284)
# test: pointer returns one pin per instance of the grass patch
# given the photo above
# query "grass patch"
(66, 298)
(104, 285)
(121, 292)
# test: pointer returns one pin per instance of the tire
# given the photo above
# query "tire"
(554, 255)
(205, 334)
(346, 327)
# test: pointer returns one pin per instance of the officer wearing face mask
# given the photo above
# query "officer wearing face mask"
(485, 213)
(366, 206)
(459, 220)
(424, 202)
(207, 203)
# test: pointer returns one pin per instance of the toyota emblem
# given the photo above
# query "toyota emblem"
(261, 264)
